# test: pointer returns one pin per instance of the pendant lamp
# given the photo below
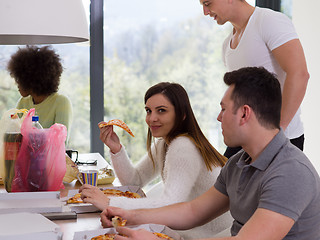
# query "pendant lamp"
(25, 22)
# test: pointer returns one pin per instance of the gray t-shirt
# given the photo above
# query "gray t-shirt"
(282, 180)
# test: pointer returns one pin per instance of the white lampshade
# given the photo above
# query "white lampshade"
(25, 22)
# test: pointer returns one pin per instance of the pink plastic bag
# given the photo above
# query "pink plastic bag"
(41, 163)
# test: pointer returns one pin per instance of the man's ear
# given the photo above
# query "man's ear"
(246, 113)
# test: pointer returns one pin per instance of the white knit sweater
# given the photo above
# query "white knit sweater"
(184, 175)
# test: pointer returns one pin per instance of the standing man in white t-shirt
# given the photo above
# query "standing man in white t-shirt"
(263, 37)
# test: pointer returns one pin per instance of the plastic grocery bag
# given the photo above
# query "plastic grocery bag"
(10, 142)
(41, 164)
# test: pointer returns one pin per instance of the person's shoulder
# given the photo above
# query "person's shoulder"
(60, 98)
(268, 12)
(294, 158)
(183, 144)
(182, 140)
(25, 102)
(27, 98)
(266, 15)
(182, 149)
(275, 28)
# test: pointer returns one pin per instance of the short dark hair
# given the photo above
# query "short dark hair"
(185, 122)
(259, 89)
(36, 69)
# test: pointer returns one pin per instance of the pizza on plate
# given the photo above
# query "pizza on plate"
(109, 192)
(75, 199)
(118, 123)
(107, 236)
(118, 221)
(111, 236)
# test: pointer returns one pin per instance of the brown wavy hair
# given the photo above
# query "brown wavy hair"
(36, 69)
(185, 123)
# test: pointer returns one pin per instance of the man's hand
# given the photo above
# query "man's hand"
(107, 215)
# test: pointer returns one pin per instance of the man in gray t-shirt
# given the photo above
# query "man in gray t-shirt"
(281, 180)
(270, 187)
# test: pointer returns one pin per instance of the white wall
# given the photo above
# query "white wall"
(306, 18)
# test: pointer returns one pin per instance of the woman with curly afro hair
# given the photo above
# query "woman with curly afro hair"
(37, 72)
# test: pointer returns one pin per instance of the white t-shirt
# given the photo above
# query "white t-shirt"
(266, 30)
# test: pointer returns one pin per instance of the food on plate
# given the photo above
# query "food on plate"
(118, 123)
(107, 236)
(105, 176)
(109, 192)
(75, 199)
(111, 236)
(119, 193)
(118, 221)
(162, 236)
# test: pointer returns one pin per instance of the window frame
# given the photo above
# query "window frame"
(96, 74)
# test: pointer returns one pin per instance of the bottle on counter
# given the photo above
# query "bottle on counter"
(36, 123)
(12, 144)
(37, 152)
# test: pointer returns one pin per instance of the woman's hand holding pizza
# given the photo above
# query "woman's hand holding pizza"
(93, 195)
(110, 138)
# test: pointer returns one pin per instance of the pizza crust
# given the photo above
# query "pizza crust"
(118, 123)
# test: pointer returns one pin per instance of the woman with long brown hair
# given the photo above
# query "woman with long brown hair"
(178, 151)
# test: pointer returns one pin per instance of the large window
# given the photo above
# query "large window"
(147, 42)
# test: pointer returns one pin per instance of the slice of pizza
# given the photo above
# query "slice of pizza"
(75, 199)
(112, 192)
(107, 236)
(118, 123)
(118, 222)
(116, 192)
(129, 194)
(109, 192)
(162, 236)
